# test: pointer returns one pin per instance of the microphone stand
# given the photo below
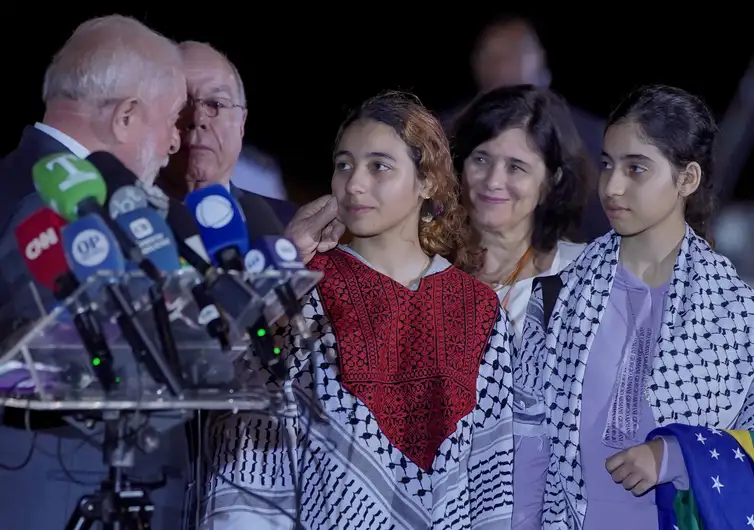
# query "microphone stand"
(230, 259)
(164, 334)
(142, 346)
(117, 504)
(89, 330)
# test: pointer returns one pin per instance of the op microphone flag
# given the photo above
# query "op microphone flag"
(91, 249)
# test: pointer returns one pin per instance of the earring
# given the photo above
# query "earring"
(429, 211)
(557, 176)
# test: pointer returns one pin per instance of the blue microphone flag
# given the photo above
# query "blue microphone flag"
(273, 253)
(126, 199)
(220, 220)
(149, 230)
(90, 247)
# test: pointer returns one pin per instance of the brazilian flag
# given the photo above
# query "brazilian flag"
(720, 466)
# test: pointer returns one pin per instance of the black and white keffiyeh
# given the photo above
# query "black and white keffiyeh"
(702, 368)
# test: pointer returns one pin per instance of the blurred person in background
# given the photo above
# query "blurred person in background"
(509, 52)
(652, 328)
(258, 172)
(213, 126)
(114, 86)
(732, 234)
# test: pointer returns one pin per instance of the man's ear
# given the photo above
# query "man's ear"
(243, 122)
(125, 120)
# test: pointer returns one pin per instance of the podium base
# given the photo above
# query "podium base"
(119, 504)
(128, 509)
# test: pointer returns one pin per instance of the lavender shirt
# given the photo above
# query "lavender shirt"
(609, 505)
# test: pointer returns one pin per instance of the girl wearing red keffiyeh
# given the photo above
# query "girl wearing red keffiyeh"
(410, 366)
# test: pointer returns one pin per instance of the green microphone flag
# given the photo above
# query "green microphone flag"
(63, 180)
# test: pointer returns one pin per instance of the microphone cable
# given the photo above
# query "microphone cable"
(33, 441)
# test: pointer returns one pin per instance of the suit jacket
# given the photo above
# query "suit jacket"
(264, 216)
(284, 210)
(55, 442)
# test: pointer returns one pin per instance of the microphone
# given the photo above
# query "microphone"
(222, 225)
(118, 176)
(230, 294)
(147, 229)
(90, 249)
(39, 240)
(150, 231)
(126, 199)
(73, 187)
(274, 253)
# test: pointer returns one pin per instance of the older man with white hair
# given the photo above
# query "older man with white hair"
(114, 86)
(213, 127)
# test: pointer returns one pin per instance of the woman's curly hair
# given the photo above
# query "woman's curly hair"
(448, 233)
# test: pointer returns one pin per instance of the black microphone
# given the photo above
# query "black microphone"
(90, 248)
(218, 288)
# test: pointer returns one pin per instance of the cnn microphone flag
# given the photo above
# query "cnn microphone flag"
(720, 467)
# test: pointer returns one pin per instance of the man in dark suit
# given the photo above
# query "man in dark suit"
(508, 52)
(214, 124)
(115, 86)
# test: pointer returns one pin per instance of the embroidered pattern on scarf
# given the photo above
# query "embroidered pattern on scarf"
(411, 356)
(624, 414)
(701, 372)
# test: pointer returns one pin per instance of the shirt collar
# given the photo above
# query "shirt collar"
(72, 145)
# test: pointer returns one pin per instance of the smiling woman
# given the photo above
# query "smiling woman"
(525, 176)
(410, 365)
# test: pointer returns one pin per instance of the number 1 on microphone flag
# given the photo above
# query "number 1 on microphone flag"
(720, 468)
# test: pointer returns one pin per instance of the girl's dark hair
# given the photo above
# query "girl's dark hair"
(546, 119)
(682, 127)
(447, 233)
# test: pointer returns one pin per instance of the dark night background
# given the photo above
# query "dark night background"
(304, 67)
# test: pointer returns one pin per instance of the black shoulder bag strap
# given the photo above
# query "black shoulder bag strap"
(551, 286)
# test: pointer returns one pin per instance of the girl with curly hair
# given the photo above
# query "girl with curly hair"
(410, 365)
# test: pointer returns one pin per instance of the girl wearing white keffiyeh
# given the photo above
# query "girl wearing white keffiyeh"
(652, 327)
(410, 367)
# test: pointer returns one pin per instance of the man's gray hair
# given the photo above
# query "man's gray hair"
(111, 58)
(236, 73)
